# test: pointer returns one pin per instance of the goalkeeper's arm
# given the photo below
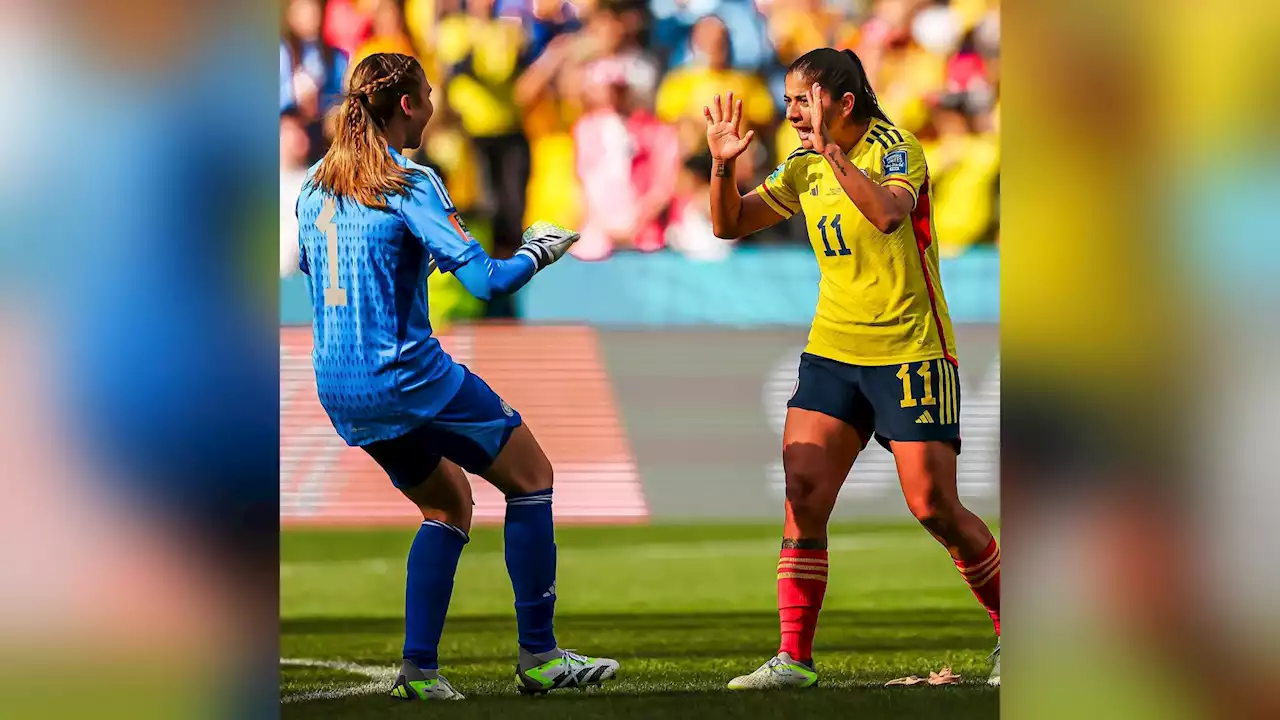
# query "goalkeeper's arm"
(484, 276)
(430, 215)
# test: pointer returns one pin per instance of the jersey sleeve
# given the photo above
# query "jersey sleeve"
(779, 189)
(903, 165)
(429, 213)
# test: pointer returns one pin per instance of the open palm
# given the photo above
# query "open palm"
(725, 138)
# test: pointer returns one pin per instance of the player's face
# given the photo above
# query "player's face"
(419, 113)
(798, 107)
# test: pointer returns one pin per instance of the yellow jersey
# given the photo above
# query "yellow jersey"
(880, 298)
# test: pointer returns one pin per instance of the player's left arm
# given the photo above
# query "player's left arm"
(886, 204)
(430, 215)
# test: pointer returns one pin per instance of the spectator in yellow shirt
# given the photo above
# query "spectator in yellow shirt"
(798, 26)
(546, 93)
(390, 35)
(964, 170)
(686, 90)
(481, 55)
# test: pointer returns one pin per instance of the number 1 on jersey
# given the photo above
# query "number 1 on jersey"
(835, 225)
(334, 294)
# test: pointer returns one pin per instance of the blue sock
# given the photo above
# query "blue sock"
(531, 563)
(433, 560)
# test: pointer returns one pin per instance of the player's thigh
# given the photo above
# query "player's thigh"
(818, 451)
(486, 436)
(414, 465)
(828, 422)
(917, 408)
(474, 429)
(521, 467)
(408, 460)
(914, 402)
(927, 472)
(829, 388)
(444, 496)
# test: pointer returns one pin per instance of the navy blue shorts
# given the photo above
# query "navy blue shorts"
(909, 402)
(470, 431)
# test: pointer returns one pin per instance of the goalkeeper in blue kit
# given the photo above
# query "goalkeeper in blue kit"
(372, 226)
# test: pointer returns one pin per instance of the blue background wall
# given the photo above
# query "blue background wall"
(754, 287)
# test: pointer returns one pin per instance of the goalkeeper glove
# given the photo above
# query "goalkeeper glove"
(546, 243)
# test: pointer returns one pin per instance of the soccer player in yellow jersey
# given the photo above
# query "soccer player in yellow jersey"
(881, 358)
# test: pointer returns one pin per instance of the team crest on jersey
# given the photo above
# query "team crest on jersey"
(506, 408)
(895, 163)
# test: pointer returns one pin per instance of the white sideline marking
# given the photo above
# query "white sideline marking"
(380, 680)
(382, 677)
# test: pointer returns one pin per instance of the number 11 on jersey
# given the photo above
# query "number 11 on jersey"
(835, 226)
(334, 294)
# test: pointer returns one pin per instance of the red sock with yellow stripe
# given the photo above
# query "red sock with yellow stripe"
(802, 582)
(983, 577)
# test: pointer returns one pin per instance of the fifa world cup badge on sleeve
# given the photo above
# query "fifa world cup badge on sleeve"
(507, 408)
(777, 173)
(895, 163)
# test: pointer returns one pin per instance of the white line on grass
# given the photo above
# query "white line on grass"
(380, 679)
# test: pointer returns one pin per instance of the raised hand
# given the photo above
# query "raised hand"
(817, 119)
(725, 138)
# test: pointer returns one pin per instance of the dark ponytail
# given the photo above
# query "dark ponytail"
(842, 72)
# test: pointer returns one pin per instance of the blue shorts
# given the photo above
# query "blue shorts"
(470, 431)
(911, 402)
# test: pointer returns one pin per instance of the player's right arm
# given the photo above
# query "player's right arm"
(430, 215)
(733, 215)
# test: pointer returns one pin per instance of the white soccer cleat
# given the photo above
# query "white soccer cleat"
(994, 679)
(779, 673)
(537, 674)
(415, 684)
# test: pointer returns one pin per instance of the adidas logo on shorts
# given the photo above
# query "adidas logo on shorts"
(925, 417)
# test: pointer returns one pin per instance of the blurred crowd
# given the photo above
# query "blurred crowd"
(588, 113)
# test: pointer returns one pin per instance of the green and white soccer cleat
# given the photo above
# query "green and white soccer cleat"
(994, 678)
(779, 673)
(416, 684)
(559, 669)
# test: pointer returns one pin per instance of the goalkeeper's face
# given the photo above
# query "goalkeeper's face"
(417, 110)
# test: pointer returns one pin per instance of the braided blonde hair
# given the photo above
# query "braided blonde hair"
(358, 164)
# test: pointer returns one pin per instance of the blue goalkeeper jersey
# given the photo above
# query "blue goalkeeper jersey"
(379, 371)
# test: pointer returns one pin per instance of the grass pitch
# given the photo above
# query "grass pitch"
(684, 608)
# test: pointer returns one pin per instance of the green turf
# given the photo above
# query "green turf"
(684, 608)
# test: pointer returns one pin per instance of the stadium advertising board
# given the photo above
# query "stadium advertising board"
(640, 424)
